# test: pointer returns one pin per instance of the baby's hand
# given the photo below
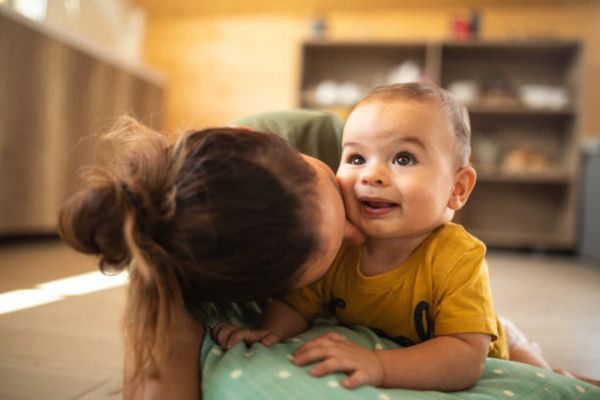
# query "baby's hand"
(338, 354)
(228, 335)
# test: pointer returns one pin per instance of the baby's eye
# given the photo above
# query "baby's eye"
(404, 158)
(356, 159)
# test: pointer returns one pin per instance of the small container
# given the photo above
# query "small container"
(466, 92)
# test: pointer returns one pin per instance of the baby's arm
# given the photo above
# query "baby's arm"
(446, 363)
(279, 321)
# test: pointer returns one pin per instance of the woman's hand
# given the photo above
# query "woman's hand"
(227, 335)
(338, 354)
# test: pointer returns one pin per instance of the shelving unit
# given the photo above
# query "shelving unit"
(526, 155)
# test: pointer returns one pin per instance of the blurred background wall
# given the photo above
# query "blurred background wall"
(230, 58)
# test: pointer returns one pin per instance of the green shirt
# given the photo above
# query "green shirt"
(314, 133)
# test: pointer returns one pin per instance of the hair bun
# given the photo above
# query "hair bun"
(92, 220)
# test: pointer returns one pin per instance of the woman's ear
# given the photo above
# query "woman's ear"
(464, 182)
(352, 236)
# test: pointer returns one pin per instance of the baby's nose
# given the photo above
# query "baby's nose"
(375, 176)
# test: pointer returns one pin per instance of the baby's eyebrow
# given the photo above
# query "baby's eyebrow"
(403, 139)
(410, 139)
(351, 144)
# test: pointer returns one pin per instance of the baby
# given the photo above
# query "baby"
(418, 279)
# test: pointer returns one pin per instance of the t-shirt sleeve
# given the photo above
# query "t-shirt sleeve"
(463, 297)
(308, 300)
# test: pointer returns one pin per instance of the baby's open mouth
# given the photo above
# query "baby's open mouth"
(377, 207)
(378, 204)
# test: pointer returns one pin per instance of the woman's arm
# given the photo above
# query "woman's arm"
(176, 375)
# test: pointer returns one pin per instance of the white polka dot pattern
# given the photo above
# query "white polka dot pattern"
(235, 374)
(283, 374)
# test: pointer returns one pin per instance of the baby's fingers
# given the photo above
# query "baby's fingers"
(270, 340)
(357, 378)
(312, 353)
(246, 335)
(329, 339)
(331, 365)
(221, 333)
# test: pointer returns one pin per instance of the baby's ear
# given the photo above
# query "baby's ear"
(464, 182)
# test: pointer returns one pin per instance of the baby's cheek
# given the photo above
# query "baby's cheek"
(346, 184)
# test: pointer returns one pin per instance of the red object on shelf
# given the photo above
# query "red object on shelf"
(461, 28)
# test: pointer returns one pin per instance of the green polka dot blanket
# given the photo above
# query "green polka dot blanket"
(258, 372)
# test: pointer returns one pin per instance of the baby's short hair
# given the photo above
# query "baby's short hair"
(421, 91)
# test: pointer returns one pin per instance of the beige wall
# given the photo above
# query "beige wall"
(224, 66)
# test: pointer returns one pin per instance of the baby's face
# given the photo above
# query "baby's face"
(398, 168)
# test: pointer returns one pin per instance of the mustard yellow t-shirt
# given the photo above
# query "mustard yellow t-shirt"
(442, 289)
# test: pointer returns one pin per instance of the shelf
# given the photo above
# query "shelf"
(515, 239)
(558, 177)
(482, 110)
(367, 44)
(514, 45)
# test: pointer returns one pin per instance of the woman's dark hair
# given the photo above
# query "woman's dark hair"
(222, 215)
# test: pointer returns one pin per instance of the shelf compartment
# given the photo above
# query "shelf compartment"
(514, 214)
(553, 176)
(550, 135)
(366, 64)
(550, 63)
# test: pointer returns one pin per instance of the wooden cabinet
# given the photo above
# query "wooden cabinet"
(57, 93)
(523, 100)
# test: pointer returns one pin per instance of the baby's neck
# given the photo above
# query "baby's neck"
(382, 255)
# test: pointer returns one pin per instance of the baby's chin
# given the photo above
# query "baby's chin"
(381, 233)
(374, 232)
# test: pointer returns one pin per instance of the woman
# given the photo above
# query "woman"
(222, 215)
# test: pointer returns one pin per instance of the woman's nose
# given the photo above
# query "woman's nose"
(374, 175)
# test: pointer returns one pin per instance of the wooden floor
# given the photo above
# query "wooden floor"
(72, 349)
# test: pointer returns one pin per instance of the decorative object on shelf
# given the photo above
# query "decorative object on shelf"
(523, 158)
(485, 154)
(329, 93)
(349, 93)
(325, 93)
(498, 92)
(408, 71)
(465, 91)
(475, 24)
(466, 25)
(318, 28)
(460, 26)
(544, 96)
